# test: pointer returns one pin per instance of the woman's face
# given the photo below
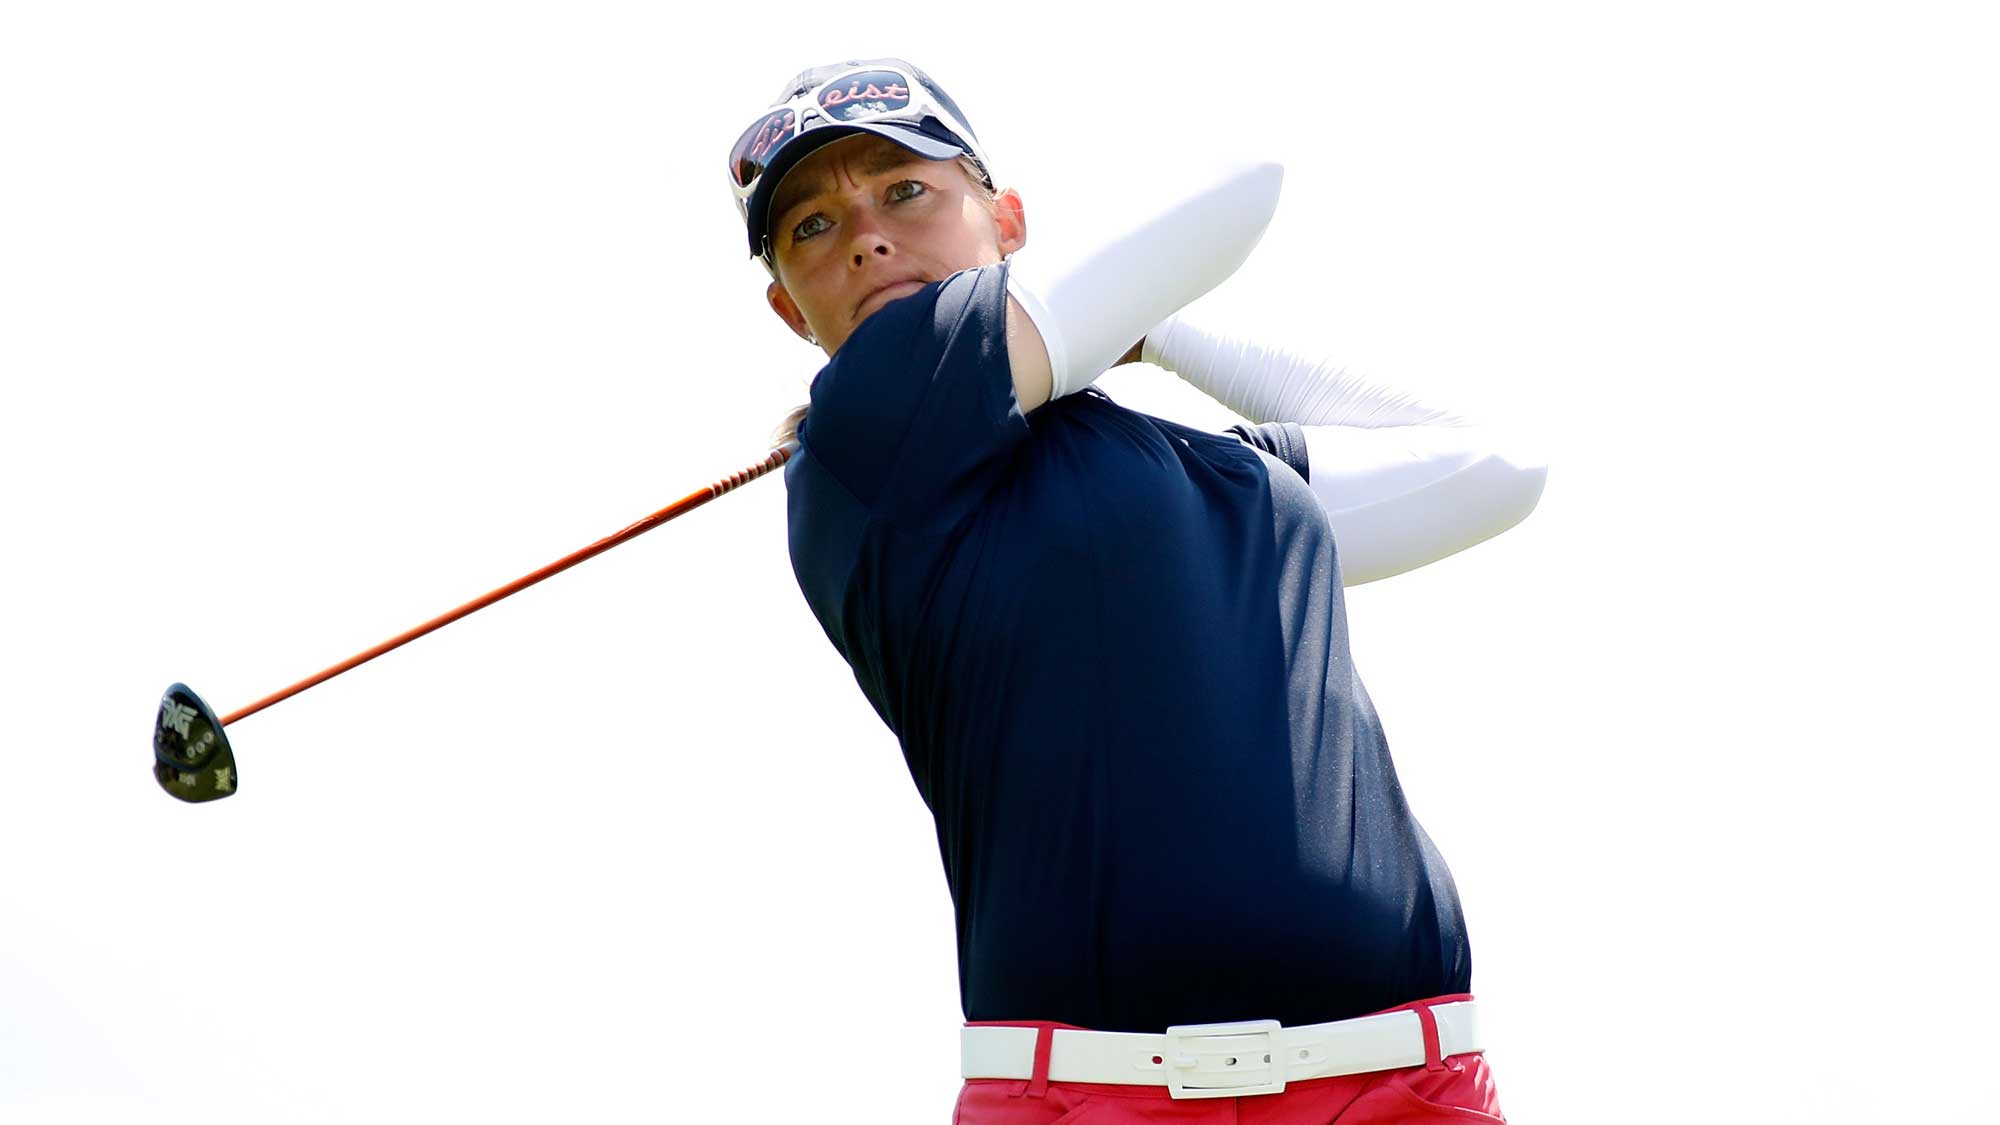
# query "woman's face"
(864, 221)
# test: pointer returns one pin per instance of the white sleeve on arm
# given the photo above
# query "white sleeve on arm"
(1405, 481)
(1090, 302)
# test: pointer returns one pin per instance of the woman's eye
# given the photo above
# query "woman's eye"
(809, 226)
(903, 190)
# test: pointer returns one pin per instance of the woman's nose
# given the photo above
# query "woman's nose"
(868, 240)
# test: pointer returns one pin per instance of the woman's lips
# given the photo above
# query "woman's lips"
(884, 295)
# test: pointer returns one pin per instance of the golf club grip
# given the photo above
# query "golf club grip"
(687, 503)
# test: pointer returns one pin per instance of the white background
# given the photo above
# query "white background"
(317, 320)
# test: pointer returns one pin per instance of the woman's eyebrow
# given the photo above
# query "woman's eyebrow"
(888, 157)
(793, 192)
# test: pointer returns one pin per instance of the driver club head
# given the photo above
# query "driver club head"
(191, 758)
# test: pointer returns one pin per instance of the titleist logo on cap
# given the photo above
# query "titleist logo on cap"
(875, 91)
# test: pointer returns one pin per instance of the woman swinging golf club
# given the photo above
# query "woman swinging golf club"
(1114, 648)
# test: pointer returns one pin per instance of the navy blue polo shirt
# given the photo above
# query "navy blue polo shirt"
(1114, 650)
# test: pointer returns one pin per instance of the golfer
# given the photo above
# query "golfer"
(1113, 648)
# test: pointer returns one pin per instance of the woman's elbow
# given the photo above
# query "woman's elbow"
(1491, 494)
(1524, 471)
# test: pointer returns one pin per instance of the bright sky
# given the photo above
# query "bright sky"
(317, 321)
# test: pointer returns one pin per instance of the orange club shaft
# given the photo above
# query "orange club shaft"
(687, 503)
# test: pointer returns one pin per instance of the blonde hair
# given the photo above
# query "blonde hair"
(788, 430)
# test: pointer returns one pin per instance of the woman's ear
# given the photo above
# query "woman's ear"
(788, 311)
(1012, 217)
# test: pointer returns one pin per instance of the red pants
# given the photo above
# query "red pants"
(1456, 1089)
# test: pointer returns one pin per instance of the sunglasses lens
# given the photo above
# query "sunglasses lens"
(865, 94)
(753, 152)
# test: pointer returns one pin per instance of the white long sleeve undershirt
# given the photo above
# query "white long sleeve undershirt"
(1092, 297)
(1404, 481)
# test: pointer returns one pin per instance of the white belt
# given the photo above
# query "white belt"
(1213, 1060)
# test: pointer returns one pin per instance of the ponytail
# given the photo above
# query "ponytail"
(788, 430)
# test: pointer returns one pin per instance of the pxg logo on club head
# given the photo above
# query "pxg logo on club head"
(191, 758)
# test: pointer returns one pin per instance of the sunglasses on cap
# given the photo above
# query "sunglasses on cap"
(865, 95)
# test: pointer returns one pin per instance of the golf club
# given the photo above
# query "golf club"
(192, 759)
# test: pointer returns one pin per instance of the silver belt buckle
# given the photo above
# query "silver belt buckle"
(1224, 1060)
